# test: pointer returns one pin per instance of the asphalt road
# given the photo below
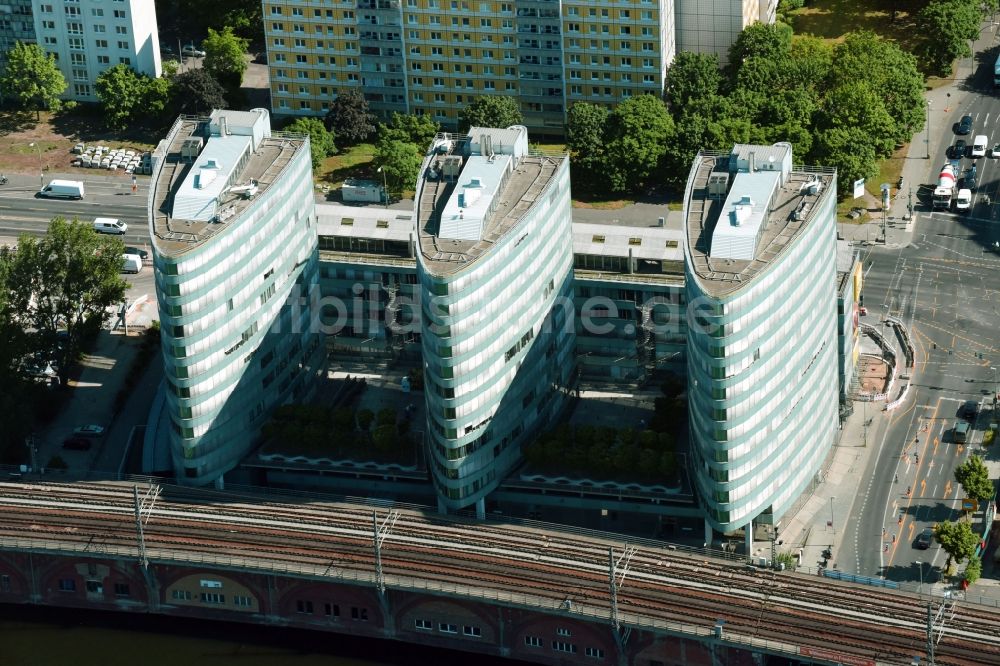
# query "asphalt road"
(946, 286)
(106, 196)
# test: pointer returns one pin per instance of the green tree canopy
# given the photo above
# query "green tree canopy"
(225, 56)
(195, 91)
(957, 539)
(636, 138)
(67, 278)
(692, 76)
(490, 111)
(948, 25)
(400, 161)
(122, 94)
(975, 479)
(419, 130)
(321, 140)
(761, 40)
(888, 71)
(856, 105)
(32, 77)
(850, 150)
(349, 117)
(585, 125)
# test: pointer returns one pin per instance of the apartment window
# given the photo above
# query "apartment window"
(304, 606)
(331, 610)
(99, 28)
(122, 590)
(424, 625)
(472, 630)
(561, 646)
(4, 583)
(72, 11)
(359, 613)
(67, 585)
(51, 41)
(123, 45)
(276, 11)
(125, 61)
(563, 632)
(596, 653)
(120, 13)
(48, 25)
(212, 598)
(121, 29)
(533, 641)
(97, 11)
(46, 9)
(101, 43)
(242, 602)
(446, 628)
(94, 587)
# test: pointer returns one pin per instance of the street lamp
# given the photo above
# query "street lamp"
(927, 141)
(41, 174)
(993, 368)
(385, 186)
(831, 513)
(921, 565)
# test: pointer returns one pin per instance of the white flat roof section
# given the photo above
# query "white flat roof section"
(466, 210)
(653, 243)
(359, 222)
(743, 215)
(198, 196)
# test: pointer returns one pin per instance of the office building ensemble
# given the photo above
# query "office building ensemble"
(495, 267)
(435, 56)
(762, 348)
(235, 257)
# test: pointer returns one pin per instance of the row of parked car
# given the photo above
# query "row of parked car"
(112, 159)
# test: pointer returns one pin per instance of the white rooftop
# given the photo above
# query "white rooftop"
(365, 222)
(653, 243)
(744, 214)
(479, 182)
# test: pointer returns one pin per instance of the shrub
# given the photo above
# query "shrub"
(343, 418)
(365, 418)
(973, 570)
(386, 417)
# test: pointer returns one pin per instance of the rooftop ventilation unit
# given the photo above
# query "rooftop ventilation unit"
(191, 147)
(718, 185)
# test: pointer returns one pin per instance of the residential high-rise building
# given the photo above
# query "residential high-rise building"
(235, 256)
(16, 25)
(434, 56)
(90, 37)
(711, 26)
(495, 266)
(762, 336)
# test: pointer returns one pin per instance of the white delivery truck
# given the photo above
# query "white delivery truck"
(979, 145)
(131, 263)
(64, 189)
(963, 201)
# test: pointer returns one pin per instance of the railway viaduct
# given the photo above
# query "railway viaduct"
(543, 596)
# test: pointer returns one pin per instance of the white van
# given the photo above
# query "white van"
(109, 225)
(66, 189)
(131, 263)
(979, 145)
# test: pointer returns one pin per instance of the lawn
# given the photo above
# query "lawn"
(353, 162)
(832, 19)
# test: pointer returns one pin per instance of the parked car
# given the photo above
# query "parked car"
(192, 51)
(89, 431)
(965, 125)
(139, 251)
(995, 151)
(958, 150)
(167, 50)
(76, 444)
(925, 538)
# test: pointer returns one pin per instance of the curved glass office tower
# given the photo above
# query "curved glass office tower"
(234, 246)
(495, 265)
(760, 268)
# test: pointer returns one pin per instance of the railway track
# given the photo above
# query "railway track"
(661, 584)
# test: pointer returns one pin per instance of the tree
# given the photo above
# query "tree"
(948, 26)
(400, 162)
(418, 129)
(195, 91)
(32, 77)
(349, 118)
(888, 70)
(321, 141)
(850, 151)
(760, 40)
(490, 111)
(122, 93)
(957, 539)
(70, 278)
(975, 479)
(225, 56)
(585, 125)
(635, 140)
(856, 105)
(973, 570)
(692, 76)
